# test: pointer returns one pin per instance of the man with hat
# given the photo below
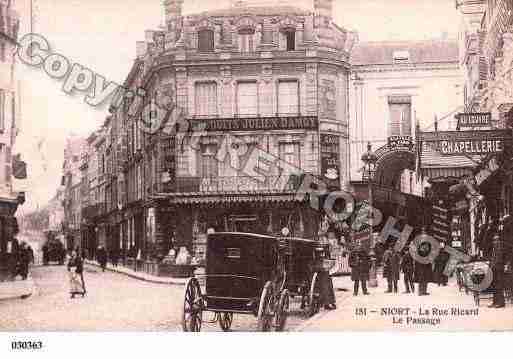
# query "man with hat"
(359, 262)
(497, 264)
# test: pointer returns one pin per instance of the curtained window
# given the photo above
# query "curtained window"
(247, 41)
(206, 99)
(207, 162)
(288, 97)
(247, 98)
(400, 116)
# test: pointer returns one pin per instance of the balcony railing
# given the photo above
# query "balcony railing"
(237, 184)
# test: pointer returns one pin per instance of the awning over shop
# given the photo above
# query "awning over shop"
(434, 165)
(201, 198)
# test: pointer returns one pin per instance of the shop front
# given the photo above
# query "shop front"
(8, 242)
(195, 216)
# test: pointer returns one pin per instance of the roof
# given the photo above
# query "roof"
(256, 10)
(425, 51)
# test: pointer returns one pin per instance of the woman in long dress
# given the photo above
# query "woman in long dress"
(75, 269)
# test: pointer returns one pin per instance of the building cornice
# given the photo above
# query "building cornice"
(406, 67)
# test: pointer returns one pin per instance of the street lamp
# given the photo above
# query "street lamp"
(370, 159)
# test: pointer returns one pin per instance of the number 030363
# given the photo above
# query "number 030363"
(26, 345)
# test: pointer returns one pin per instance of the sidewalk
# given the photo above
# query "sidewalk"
(445, 309)
(18, 289)
(138, 275)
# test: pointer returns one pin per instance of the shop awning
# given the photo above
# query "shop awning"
(435, 166)
(201, 198)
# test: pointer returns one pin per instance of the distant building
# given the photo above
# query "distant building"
(395, 87)
(9, 125)
(71, 182)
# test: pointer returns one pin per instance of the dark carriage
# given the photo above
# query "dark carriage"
(244, 275)
(306, 261)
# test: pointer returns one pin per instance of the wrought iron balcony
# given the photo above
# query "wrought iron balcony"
(237, 184)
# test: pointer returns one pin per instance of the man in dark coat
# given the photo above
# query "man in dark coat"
(101, 257)
(23, 261)
(423, 272)
(407, 267)
(440, 263)
(359, 262)
(497, 264)
(391, 261)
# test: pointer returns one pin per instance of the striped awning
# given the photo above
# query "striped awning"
(435, 165)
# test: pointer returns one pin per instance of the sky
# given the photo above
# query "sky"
(101, 35)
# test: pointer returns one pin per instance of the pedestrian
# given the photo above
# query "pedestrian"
(23, 261)
(423, 272)
(497, 264)
(407, 267)
(326, 284)
(101, 257)
(391, 269)
(114, 257)
(30, 252)
(76, 279)
(439, 266)
(359, 262)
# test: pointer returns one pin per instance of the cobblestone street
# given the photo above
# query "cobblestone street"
(113, 302)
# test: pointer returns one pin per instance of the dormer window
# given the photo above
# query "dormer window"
(205, 40)
(401, 56)
(288, 40)
(246, 40)
(291, 40)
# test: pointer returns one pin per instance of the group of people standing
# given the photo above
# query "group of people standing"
(394, 263)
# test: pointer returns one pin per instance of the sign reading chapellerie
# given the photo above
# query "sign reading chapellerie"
(471, 146)
(477, 119)
(258, 123)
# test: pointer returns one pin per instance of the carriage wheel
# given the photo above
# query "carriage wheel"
(265, 309)
(280, 317)
(225, 321)
(313, 304)
(192, 310)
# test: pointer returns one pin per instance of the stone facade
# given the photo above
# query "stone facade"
(273, 79)
(425, 77)
(9, 126)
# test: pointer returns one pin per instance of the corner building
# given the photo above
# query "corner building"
(275, 78)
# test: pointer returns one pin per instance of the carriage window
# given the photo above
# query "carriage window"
(233, 253)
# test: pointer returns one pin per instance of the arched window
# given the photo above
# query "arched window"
(247, 40)
(205, 40)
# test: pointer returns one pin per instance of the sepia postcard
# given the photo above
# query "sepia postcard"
(255, 166)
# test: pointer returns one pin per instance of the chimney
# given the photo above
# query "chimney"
(173, 19)
(172, 10)
(323, 8)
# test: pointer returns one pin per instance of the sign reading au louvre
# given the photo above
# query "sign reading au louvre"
(477, 119)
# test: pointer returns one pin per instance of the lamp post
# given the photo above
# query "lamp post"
(369, 159)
